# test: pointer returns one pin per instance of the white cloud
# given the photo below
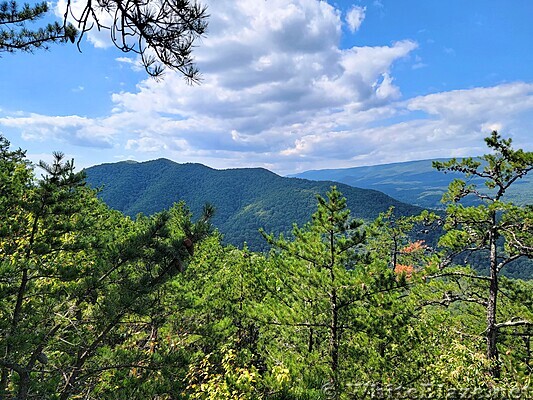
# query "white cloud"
(386, 90)
(477, 105)
(355, 17)
(146, 144)
(135, 63)
(72, 129)
(278, 91)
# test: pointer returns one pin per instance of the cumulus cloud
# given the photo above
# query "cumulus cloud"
(355, 17)
(279, 91)
(268, 67)
(73, 129)
(436, 125)
(478, 103)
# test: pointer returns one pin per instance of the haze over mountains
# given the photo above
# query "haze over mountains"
(413, 182)
(245, 199)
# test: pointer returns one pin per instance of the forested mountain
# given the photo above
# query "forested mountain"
(245, 199)
(413, 182)
(97, 305)
(249, 199)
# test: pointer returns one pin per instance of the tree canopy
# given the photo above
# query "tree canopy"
(98, 305)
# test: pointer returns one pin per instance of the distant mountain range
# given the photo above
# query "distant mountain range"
(245, 199)
(413, 182)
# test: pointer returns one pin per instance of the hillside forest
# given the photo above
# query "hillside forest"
(96, 304)
(246, 199)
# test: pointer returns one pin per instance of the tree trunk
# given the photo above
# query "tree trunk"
(334, 318)
(492, 331)
(24, 386)
(14, 325)
(17, 311)
(334, 340)
(310, 341)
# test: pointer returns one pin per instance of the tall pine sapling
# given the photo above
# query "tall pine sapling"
(321, 290)
(481, 228)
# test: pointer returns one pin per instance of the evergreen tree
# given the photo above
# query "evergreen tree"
(78, 281)
(15, 35)
(328, 298)
(482, 228)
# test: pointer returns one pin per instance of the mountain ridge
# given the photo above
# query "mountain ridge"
(246, 199)
(414, 182)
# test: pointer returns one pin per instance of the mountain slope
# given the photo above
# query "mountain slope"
(413, 182)
(245, 199)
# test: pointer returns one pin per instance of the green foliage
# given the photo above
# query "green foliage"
(78, 281)
(233, 382)
(335, 310)
(15, 34)
(483, 228)
(398, 240)
(245, 199)
(96, 305)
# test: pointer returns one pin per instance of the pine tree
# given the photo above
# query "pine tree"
(72, 272)
(482, 228)
(162, 33)
(323, 290)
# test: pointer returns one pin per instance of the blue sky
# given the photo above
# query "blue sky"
(289, 85)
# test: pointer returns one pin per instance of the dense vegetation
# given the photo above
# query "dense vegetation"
(97, 305)
(250, 199)
(246, 200)
(413, 182)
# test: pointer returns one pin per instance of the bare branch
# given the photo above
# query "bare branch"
(513, 323)
(450, 299)
(162, 32)
(459, 274)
